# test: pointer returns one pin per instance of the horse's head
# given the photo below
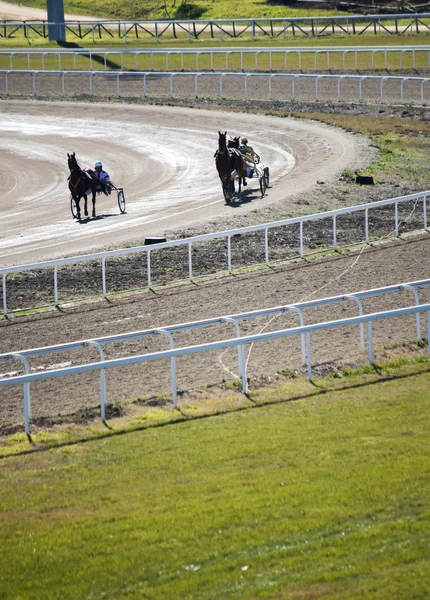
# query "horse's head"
(222, 143)
(234, 143)
(72, 162)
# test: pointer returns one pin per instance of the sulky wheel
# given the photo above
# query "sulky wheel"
(263, 185)
(266, 176)
(121, 200)
(73, 207)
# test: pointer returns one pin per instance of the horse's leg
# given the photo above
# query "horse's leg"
(78, 206)
(85, 205)
(94, 203)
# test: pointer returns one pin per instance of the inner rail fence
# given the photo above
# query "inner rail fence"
(285, 87)
(398, 24)
(300, 222)
(183, 59)
(238, 342)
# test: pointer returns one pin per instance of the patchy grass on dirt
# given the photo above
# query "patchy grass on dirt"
(322, 493)
(404, 144)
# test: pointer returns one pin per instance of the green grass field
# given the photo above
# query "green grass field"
(192, 9)
(279, 61)
(301, 492)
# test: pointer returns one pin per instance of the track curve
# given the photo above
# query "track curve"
(162, 156)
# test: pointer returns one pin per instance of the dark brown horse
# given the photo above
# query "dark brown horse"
(80, 182)
(229, 164)
(223, 166)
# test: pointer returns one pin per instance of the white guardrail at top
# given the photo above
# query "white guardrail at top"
(395, 24)
(322, 57)
(239, 342)
(139, 85)
(366, 209)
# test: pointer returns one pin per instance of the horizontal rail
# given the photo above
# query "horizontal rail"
(411, 285)
(395, 24)
(326, 57)
(240, 343)
(140, 85)
(333, 215)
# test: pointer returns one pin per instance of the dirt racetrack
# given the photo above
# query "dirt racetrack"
(146, 138)
(162, 156)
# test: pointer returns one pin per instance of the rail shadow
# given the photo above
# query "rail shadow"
(112, 64)
(185, 418)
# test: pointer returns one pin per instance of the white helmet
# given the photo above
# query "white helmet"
(98, 163)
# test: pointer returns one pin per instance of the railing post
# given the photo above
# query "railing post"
(190, 262)
(27, 393)
(104, 276)
(308, 355)
(148, 264)
(4, 295)
(240, 354)
(34, 84)
(366, 225)
(417, 303)
(56, 285)
(266, 245)
(172, 366)
(425, 211)
(117, 85)
(396, 219)
(102, 378)
(360, 313)
(63, 89)
(229, 254)
(302, 324)
(370, 338)
(301, 239)
(334, 233)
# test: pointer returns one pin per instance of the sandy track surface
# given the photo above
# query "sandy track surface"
(402, 261)
(162, 156)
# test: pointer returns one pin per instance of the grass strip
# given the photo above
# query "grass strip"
(324, 496)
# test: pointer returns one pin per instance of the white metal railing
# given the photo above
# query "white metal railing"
(395, 24)
(335, 57)
(235, 319)
(112, 85)
(333, 215)
(238, 342)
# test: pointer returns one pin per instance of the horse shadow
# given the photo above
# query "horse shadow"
(246, 196)
(89, 219)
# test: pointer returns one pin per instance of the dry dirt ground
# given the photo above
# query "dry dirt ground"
(400, 261)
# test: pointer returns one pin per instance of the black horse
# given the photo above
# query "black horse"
(228, 163)
(80, 182)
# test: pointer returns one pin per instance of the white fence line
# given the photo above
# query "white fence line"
(333, 215)
(114, 79)
(356, 297)
(240, 343)
(395, 24)
(105, 56)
